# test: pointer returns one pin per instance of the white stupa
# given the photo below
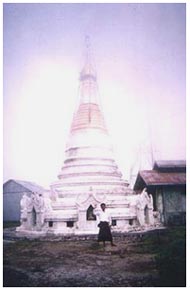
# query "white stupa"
(88, 177)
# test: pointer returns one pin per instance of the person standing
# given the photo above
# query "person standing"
(104, 225)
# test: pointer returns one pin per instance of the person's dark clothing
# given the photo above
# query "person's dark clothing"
(104, 232)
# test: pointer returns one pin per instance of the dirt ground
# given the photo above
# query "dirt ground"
(69, 262)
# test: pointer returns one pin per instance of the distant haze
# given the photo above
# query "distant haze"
(139, 52)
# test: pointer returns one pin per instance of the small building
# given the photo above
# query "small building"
(13, 191)
(167, 184)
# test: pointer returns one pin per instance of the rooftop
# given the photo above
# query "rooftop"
(154, 178)
(31, 186)
(170, 165)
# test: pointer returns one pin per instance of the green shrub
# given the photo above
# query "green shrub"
(171, 262)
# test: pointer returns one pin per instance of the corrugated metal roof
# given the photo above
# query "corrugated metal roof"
(153, 177)
(31, 186)
(170, 164)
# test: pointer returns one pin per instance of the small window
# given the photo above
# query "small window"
(34, 217)
(50, 223)
(70, 223)
(89, 214)
(114, 222)
(130, 221)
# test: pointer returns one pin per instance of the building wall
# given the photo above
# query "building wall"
(159, 203)
(174, 205)
(12, 194)
(11, 206)
(170, 202)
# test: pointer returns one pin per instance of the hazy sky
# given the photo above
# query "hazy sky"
(139, 52)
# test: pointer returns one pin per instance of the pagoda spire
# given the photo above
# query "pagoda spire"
(88, 72)
(88, 114)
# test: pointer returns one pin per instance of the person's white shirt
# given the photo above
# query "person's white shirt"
(103, 216)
